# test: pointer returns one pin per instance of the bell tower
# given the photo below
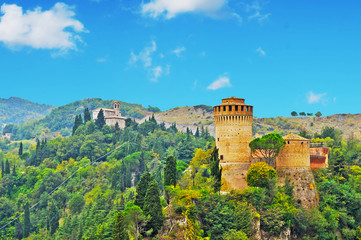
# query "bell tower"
(117, 108)
(233, 120)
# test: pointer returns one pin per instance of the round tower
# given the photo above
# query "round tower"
(233, 120)
(295, 154)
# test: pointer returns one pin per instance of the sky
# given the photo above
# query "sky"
(280, 56)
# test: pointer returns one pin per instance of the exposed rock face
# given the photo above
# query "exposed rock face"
(319, 157)
(305, 189)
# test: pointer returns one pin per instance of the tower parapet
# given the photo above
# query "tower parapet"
(233, 120)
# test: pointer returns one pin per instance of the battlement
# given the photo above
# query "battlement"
(233, 106)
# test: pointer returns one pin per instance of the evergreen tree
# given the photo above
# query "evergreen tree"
(7, 167)
(27, 224)
(117, 128)
(216, 172)
(142, 188)
(142, 163)
(170, 171)
(100, 122)
(2, 169)
(14, 170)
(87, 115)
(21, 149)
(37, 145)
(120, 230)
(197, 133)
(54, 216)
(76, 124)
(153, 208)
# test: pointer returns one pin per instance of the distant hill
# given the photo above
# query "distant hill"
(61, 119)
(16, 110)
(202, 115)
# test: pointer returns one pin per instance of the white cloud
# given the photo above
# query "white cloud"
(145, 56)
(221, 82)
(314, 97)
(255, 9)
(51, 29)
(261, 52)
(171, 8)
(178, 51)
(157, 71)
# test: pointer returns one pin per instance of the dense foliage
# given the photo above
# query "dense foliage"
(61, 119)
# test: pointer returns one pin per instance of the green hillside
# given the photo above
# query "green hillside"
(61, 119)
(16, 110)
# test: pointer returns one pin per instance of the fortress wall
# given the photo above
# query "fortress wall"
(234, 176)
(319, 157)
(295, 154)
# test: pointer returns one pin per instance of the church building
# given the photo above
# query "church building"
(111, 116)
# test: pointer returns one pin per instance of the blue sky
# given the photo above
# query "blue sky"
(278, 55)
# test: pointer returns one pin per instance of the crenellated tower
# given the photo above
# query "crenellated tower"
(233, 120)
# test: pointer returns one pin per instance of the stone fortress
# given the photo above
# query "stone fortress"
(111, 116)
(233, 120)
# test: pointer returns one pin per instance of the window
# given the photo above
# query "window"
(224, 108)
(229, 108)
(242, 108)
(218, 139)
(236, 108)
(221, 157)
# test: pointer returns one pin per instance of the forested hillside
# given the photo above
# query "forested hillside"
(148, 181)
(15, 110)
(61, 119)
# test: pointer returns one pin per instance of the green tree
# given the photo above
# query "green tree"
(234, 235)
(302, 114)
(153, 208)
(216, 171)
(20, 149)
(243, 214)
(135, 218)
(76, 203)
(77, 123)
(141, 189)
(267, 147)
(87, 115)
(170, 171)
(318, 114)
(27, 224)
(259, 174)
(54, 216)
(100, 122)
(120, 228)
(197, 133)
(7, 167)
(2, 169)
(294, 114)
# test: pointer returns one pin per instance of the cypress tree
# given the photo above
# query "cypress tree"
(216, 172)
(87, 117)
(54, 216)
(76, 122)
(2, 169)
(100, 122)
(21, 149)
(37, 145)
(153, 208)
(142, 188)
(197, 133)
(14, 170)
(80, 119)
(119, 230)
(7, 167)
(170, 171)
(27, 224)
(117, 128)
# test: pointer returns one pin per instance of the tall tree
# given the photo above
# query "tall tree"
(87, 115)
(14, 170)
(100, 122)
(27, 224)
(267, 147)
(119, 229)
(76, 123)
(54, 216)
(216, 171)
(142, 163)
(170, 171)
(7, 167)
(142, 188)
(2, 169)
(197, 133)
(21, 149)
(153, 208)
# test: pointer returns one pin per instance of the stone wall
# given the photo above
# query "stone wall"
(319, 157)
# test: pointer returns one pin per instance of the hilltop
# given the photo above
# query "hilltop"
(61, 119)
(16, 110)
(202, 115)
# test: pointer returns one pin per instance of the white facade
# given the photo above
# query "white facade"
(111, 116)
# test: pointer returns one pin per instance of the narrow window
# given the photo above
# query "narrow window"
(302, 143)
(224, 108)
(229, 108)
(219, 109)
(218, 139)
(288, 142)
(236, 108)
(242, 108)
(221, 157)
